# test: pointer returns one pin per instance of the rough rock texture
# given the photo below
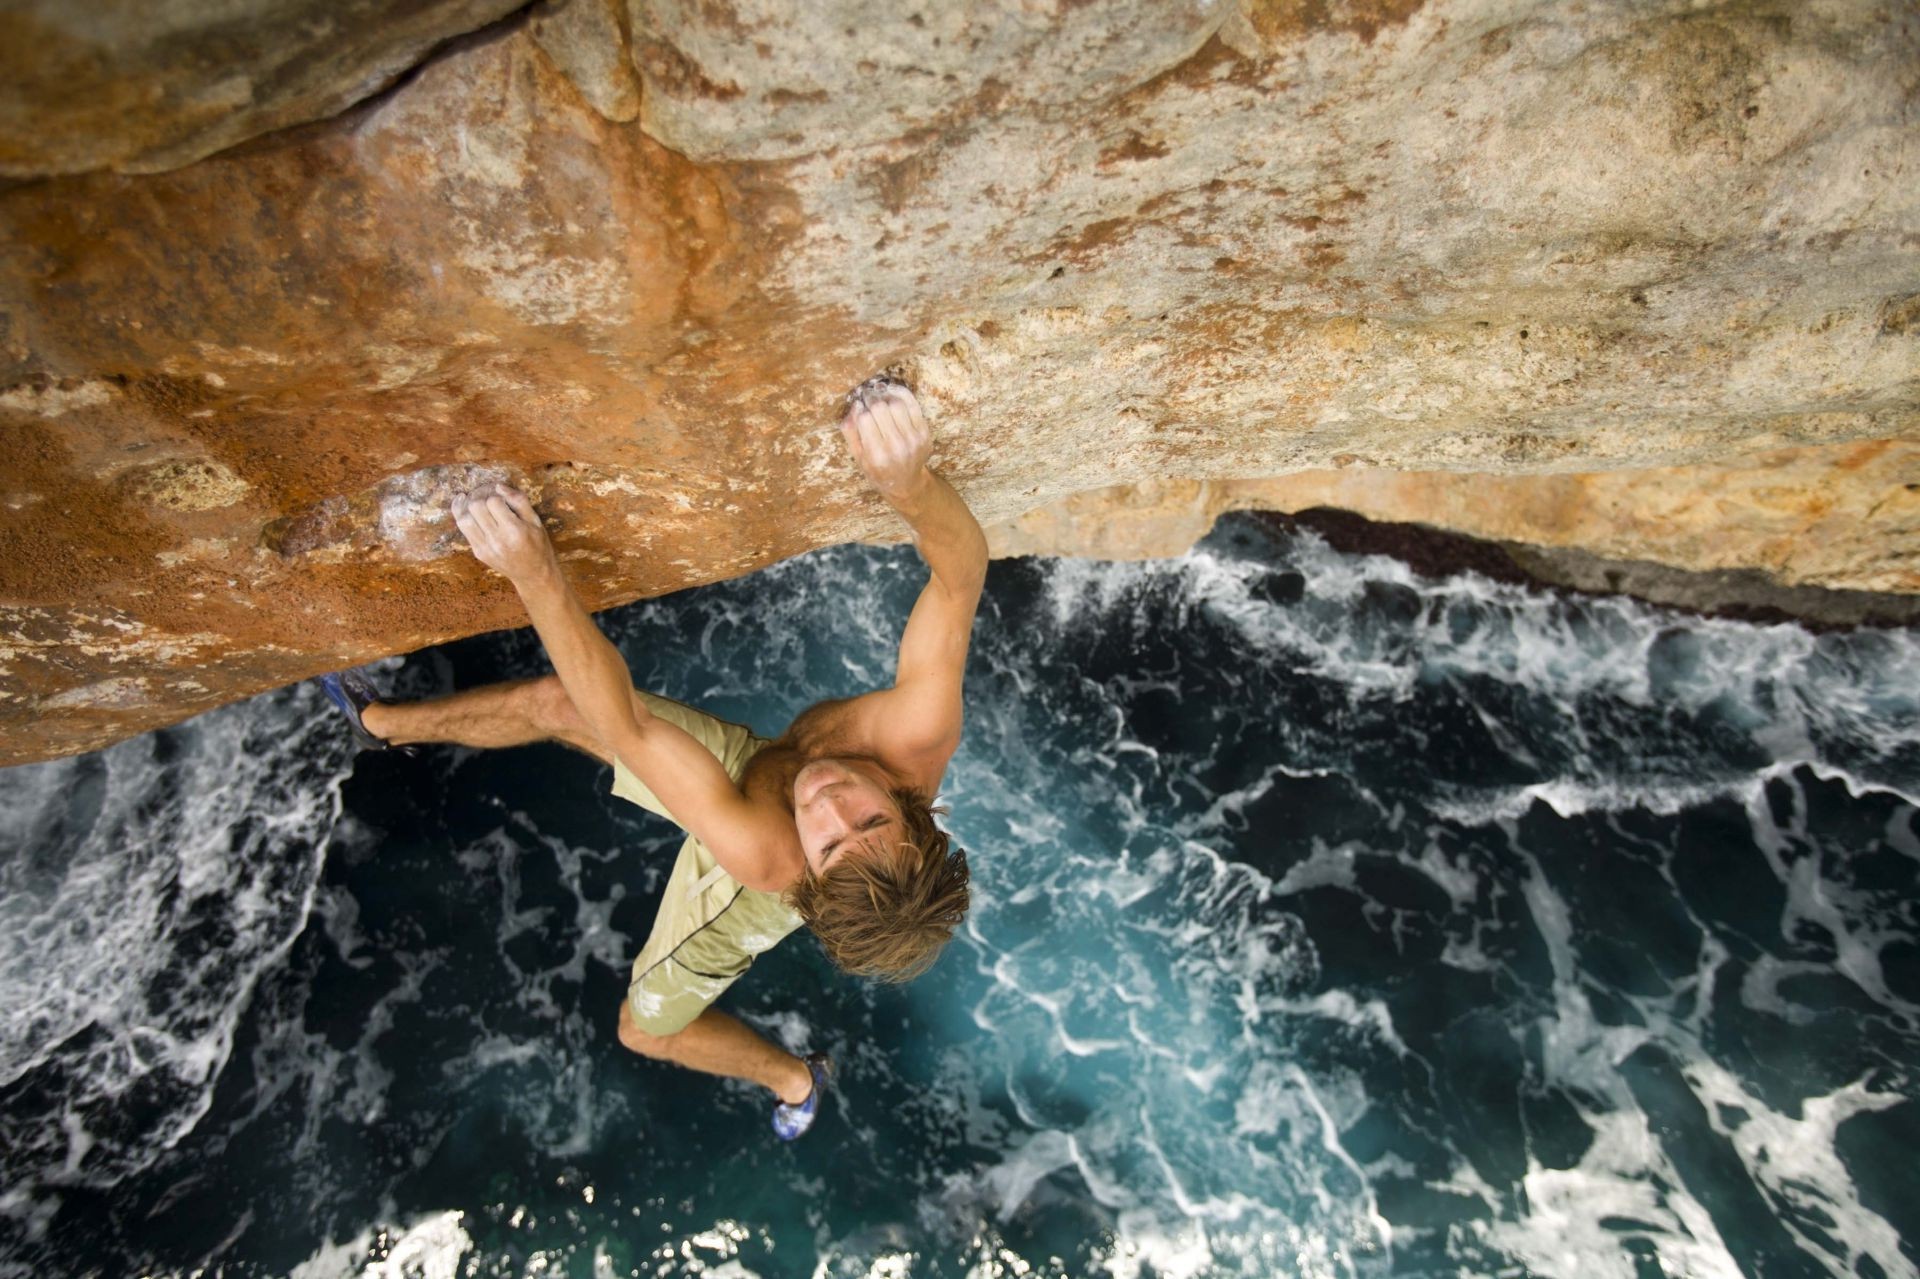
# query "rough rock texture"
(1109, 241)
(588, 40)
(1841, 517)
(155, 84)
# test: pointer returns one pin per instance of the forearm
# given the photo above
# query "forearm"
(589, 666)
(949, 538)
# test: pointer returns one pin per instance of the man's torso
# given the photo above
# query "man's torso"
(825, 730)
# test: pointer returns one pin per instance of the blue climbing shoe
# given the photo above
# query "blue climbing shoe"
(350, 692)
(790, 1122)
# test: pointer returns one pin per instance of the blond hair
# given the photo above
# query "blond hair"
(889, 915)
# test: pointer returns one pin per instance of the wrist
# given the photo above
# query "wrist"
(911, 491)
(543, 579)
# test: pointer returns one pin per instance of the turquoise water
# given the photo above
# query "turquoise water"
(1329, 920)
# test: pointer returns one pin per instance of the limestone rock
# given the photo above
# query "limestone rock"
(1842, 517)
(587, 39)
(144, 87)
(1483, 242)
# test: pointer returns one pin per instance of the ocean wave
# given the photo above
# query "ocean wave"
(145, 890)
(1328, 920)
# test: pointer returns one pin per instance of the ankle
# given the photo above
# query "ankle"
(375, 715)
(796, 1082)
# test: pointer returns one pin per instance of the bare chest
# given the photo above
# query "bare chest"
(819, 732)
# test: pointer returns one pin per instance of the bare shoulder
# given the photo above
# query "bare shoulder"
(864, 726)
(822, 725)
(879, 726)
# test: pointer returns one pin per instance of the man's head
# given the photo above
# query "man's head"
(883, 889)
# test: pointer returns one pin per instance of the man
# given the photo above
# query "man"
(829, 824)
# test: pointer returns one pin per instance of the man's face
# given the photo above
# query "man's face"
(841, 806)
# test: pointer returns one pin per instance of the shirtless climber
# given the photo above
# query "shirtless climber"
(829, 824)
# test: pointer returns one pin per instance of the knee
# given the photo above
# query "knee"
(658, 1047)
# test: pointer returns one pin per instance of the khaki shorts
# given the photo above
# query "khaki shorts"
(709, 927)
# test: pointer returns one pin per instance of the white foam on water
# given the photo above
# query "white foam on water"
(713, 1250)
(1012, 1180)
(1860, 923)
(1147, 1248)
(1840, 708)
(1454, 875)
(1795, 1162)
(1190, 977)
(1326, 866)
(335, 1260)
(1569, 797)
(1625, 1185)
(431, 1248)
(1143, 999)
(1565, 1232)
(591, 937)
(1790, 689)
(144, 891)
(1369, 1016)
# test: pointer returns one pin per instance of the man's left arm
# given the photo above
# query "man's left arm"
(755, 844)
(916, 723)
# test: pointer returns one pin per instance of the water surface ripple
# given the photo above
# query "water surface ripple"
(1330, 920)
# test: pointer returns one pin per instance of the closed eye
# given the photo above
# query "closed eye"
(872, 823)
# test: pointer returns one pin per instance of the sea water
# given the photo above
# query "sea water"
(1328, 920)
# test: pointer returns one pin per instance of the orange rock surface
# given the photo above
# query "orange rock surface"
(1840, 517)
(1637, 278)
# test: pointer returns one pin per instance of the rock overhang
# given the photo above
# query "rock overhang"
(1114, 244)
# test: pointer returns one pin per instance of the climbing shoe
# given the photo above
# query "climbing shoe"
(350, 692)
(793, 1121)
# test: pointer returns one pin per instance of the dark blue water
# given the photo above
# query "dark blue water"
(1329, 920)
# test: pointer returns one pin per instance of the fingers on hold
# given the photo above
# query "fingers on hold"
(506, 521)
(877, 414)
(898, 423)
(913, 413)
(521, 506)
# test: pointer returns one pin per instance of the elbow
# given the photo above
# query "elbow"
(977, 561)
(974, 582)
(966, 576)
(612, 722)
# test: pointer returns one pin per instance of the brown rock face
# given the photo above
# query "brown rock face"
(1838, 517)
(150, 86)
(1490, 244)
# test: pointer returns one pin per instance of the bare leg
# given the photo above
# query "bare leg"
(537, 710)
(720, 1044)
(495, 715)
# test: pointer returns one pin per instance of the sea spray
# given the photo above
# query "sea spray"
(1330, 920)
(143, 891)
